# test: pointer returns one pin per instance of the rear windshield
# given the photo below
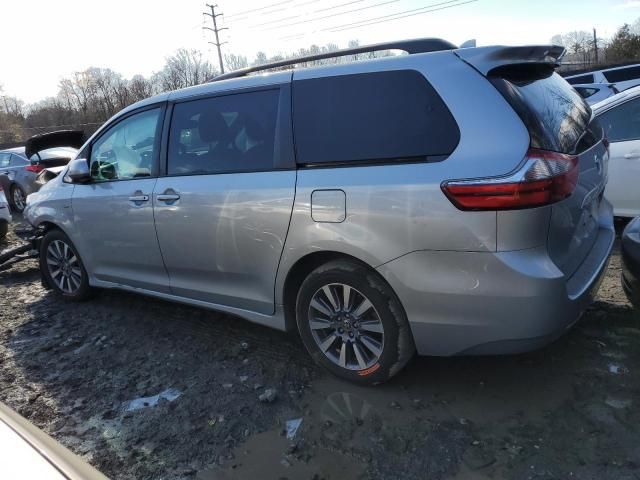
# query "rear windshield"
(556, 116)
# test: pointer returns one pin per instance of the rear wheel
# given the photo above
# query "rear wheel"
(62, 267)
(352, 323)
(18, 198)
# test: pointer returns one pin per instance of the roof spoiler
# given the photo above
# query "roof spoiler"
(61, 138)
(486, 59)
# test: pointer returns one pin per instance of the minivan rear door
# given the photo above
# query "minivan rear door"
(559, 120)
(222, 211)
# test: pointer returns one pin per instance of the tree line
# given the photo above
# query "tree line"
(585, 50)
(88, 98)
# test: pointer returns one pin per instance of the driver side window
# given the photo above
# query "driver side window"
(126, 151)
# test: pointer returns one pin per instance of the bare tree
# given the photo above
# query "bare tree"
(86, 99)
(578, 41)
(235, 62)
(185, 69)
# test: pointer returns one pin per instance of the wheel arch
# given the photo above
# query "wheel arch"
(47, 226)
(302, 268)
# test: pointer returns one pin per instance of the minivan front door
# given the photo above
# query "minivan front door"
(113, 214)
(223, 210)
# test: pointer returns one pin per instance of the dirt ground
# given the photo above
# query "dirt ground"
(145, 389)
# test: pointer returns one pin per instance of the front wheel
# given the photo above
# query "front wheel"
(352, 323)
(62, 267)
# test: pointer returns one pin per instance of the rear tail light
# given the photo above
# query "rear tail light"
(35, 168)
(544, 178)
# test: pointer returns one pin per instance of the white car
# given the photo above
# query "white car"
(29, 453)
(620, 117)
(596, 92)
(622, 77)
(5, 216)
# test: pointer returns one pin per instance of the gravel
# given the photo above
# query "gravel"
(145, 389)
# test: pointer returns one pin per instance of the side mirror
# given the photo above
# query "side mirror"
(79, 171)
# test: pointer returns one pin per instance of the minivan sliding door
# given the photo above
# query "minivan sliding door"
(223, 209)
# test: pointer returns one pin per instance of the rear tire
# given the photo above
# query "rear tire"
(18, 198)
(62, 267)
(352, 323)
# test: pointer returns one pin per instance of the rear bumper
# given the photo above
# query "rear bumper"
(493, 303)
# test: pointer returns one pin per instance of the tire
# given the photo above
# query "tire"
(372, 343)
(18, 198)
(62, 268)
(4, 228)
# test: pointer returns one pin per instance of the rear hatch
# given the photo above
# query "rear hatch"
(53, 149)
(559, 120)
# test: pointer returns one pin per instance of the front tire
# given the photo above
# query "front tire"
(62, 267)
(352, 323)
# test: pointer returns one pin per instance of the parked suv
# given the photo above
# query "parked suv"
(447, 202)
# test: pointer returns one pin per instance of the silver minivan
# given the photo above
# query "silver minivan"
(448, 201)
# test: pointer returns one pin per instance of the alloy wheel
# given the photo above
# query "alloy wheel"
(346, 326)
(18, 198)
(63, 266)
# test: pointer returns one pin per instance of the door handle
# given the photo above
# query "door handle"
(168, 197)
(632, 155)
(139, 198)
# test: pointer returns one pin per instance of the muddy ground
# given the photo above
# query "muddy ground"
(145, 389)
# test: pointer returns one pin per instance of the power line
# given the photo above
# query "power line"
(387, 2)
(216, 31)
(305, 14)
(260, 9)
(398, 16)
(278, 20)
(247, 16)
(338, 6)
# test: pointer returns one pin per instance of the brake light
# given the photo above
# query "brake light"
(35, 168)
(544, 178)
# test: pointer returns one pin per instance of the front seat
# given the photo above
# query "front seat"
(214, 131)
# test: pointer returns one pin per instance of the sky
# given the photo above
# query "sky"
(44, 41)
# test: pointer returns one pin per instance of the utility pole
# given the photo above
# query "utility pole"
(595, 44)
(216, 30)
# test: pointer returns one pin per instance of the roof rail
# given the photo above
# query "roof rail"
(417, 45)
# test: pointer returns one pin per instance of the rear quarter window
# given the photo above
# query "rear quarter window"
(371, 117)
